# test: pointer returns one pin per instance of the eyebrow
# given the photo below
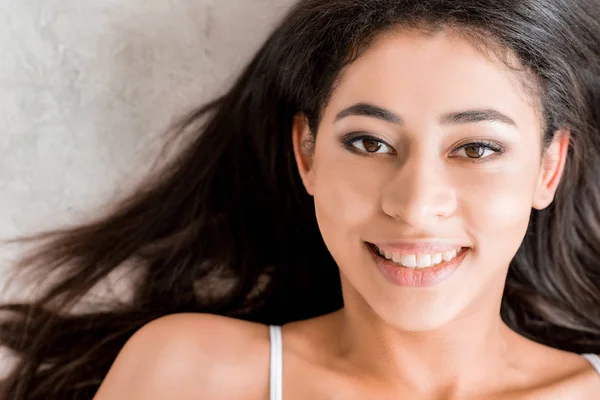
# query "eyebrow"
(452, 118)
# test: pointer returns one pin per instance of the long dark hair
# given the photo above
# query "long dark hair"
(226, 227)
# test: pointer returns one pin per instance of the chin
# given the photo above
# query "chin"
(417, 312)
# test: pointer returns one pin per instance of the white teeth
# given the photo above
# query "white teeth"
(423, 260)
(409, 260)
(419, 261)
(449, 255)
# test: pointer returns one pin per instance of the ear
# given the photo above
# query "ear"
(304, 146)
(553, 164)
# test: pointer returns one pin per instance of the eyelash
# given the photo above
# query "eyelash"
(349, 140)
(486, 144)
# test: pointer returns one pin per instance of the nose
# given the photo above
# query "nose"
(419, 194)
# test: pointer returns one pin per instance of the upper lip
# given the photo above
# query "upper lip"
(429, 247)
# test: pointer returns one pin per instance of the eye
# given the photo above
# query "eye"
(478, 150)
(366, 144)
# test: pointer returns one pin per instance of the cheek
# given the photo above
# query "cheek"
(345, 195)
(496, 212)
(342, 196)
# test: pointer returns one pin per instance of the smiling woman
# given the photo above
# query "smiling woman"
(403, 198)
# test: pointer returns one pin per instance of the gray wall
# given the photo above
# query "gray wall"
(85, 85)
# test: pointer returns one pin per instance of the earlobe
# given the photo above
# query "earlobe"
(303, 142)
(553, 164)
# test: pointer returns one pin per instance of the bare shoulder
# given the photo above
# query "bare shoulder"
(568, 376)
(585, 382)
(191, 356)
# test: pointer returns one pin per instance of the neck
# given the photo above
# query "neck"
(454, 357)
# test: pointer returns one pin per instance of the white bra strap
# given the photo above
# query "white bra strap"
(276, 363)
(594, 359)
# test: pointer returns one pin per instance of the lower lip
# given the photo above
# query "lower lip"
(404, 276)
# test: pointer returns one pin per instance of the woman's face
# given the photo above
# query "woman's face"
(426, 146)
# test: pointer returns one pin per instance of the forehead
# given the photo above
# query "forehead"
(426, 75)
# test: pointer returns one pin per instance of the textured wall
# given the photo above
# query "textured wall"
(84, 85)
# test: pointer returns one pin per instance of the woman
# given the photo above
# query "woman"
(396, 199)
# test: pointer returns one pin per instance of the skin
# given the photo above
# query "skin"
(445, 341)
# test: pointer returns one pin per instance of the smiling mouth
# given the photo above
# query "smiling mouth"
(418, 270)
(417, 261)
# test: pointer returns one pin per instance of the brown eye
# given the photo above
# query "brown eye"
(479, 151)
(474, 151)
(365, 144)
(371, 146)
